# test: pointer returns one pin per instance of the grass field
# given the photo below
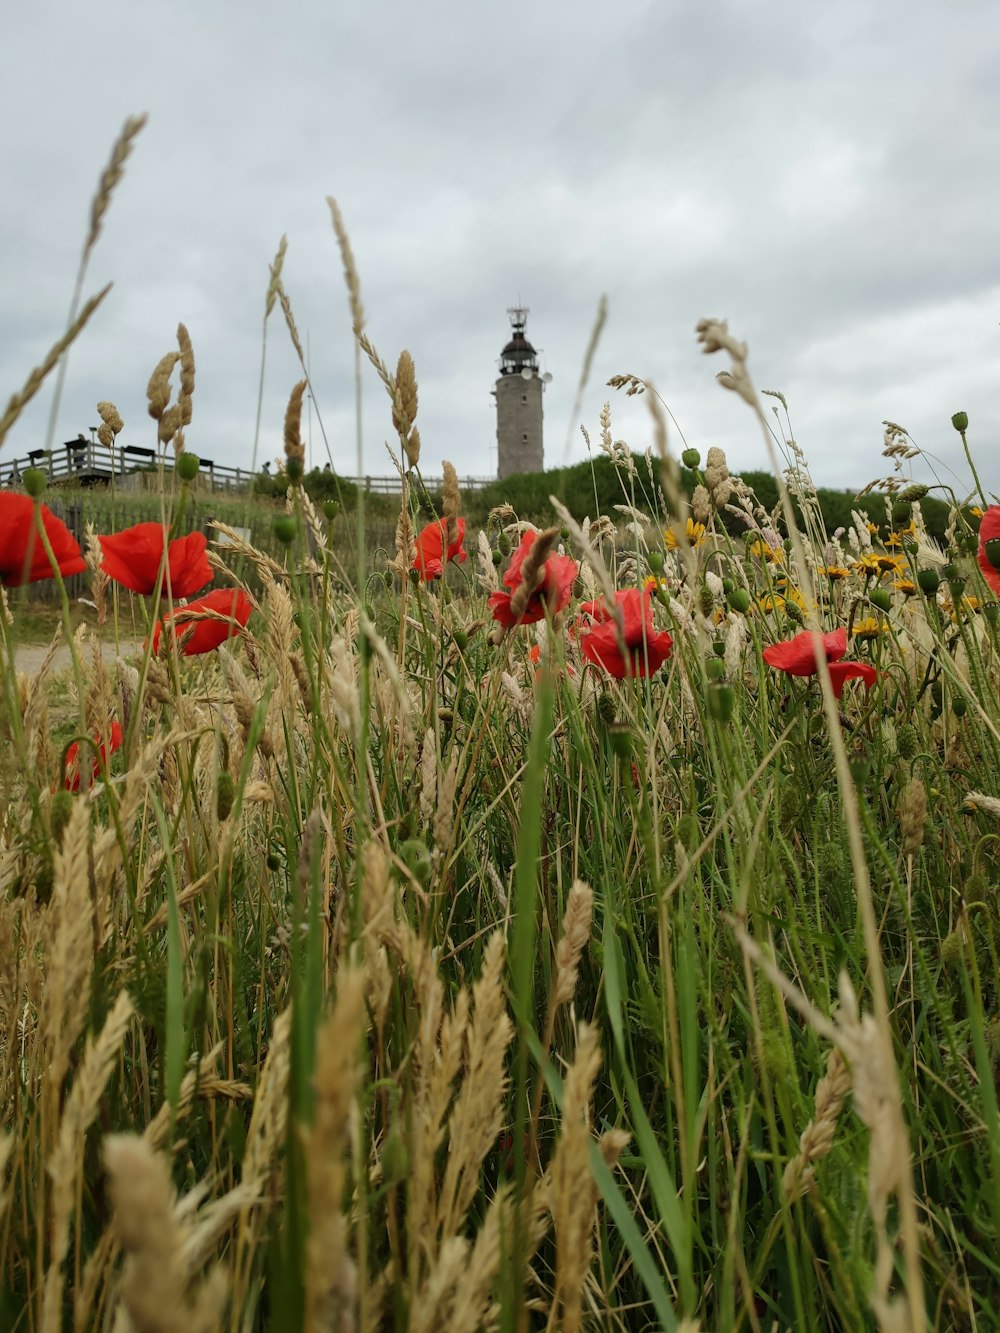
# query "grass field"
(603, 935)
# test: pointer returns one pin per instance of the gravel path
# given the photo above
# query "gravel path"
(28, 657)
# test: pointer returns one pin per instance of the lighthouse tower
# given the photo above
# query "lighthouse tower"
(518, 393)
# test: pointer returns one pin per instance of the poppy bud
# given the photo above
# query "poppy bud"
(691, 458)
(880, 597)
(330, 510)
(655, 562)
(62, 808)
(929, 581)
(395, 1158)
(907, 742)
(992, 613)
(225, 794)
(460, 640)
(960, 705)
(706, 601)
(564, 534)
(606, 708)
(991, 550)
(720, 702)
(952, 949)
(961, 422)
(739, 600)
(497, 560)
(294, 469)
(35, 480)
(715, 668)
(273, 861)
(794, 613)
(417, 859)
(187, 466)
(727, 586)
(902, 511)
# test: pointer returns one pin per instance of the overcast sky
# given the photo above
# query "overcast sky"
(824, 176)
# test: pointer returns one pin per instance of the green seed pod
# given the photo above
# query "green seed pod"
(187, 466)
(902, 512)
(460, 640)
(497, 559)
(728, 585)
(907, 741)
(655, 562)
(285, 528)
(715, 668)
(952, 571)
(706, 601)
(330, 510)
(991, 550)
(273, 861)
(739, 600)
(719, 647)
(957, 586)
(721, 701)
(225, 794)
(35, 480)
(968, 542)
(960, 705)
(880, 597)
(620, 736)
(794, 613)
(992, 613)
(691, 458)
(564, 533)
(915, 491)
(414, 576)
(928, 580)
(961, 422)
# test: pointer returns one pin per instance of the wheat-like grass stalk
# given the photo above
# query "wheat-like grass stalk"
(330, 1270)
(477, 1115)
(19, 401)
(817, 1137)
(185, 391)
(66, 1161)
(573, 1193)
(154, 1284)
(574, 939)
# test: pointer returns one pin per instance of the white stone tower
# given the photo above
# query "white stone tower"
(518, 393)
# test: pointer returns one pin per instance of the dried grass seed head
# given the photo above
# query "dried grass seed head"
(294, 448)
(158, 388)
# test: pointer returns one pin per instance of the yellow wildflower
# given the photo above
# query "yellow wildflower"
(694, 532)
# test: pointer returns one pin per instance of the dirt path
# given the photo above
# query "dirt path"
(28, 657)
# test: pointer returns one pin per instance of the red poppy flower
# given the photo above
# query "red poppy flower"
(23, 558)
(214, 618)
(430, 558)
(105, 751)
(797, 657)
(133, 558)
(646, 648)
(989, 530)
(551, 596)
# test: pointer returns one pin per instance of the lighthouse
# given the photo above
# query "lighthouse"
(518, 393)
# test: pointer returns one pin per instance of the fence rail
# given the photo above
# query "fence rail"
(136, 469)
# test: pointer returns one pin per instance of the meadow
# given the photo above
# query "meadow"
(583, 925)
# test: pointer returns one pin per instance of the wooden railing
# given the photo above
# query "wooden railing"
(130, 466)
